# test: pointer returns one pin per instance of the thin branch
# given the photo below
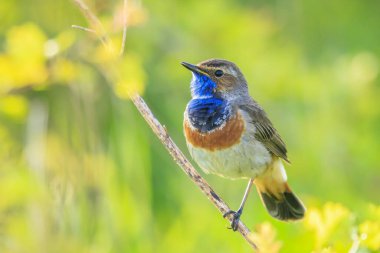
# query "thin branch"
(89, 15)
(161, 132)
(92, 31)
(102, 40)
(125, 18)
(83, 28)
(94, 23)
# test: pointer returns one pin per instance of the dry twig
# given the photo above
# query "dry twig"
(125, 25)
(161, 131)
(96, 25)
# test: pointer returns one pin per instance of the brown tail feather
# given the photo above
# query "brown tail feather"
(277, 196)
(286, 207)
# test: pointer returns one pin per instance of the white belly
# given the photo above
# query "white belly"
(247, 159)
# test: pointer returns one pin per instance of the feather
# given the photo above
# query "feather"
(265, 133)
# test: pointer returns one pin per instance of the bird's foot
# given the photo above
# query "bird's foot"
(235, 218)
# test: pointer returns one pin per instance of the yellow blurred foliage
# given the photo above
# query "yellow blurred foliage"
(65, 39)
(23, 62)
(125, 72)
(325, 250)
(64, 71)
(131, 76)
(14, 106)
(107, 54)
(325, 221)
(265, 238)
(370, 231)
(135, 15)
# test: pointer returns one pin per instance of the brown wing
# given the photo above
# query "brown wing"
(266, 133)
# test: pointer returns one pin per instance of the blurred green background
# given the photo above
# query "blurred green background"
(80, 170)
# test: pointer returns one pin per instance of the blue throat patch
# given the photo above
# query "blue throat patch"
(202, 86)
(206, 111)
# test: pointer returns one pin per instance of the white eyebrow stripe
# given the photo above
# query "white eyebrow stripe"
(232, 71)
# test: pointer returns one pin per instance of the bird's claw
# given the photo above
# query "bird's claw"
(235, 218)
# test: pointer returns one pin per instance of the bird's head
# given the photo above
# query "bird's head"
(217, 78)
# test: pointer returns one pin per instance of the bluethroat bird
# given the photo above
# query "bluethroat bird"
(230, 135)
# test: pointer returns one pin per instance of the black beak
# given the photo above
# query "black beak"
(193, 68)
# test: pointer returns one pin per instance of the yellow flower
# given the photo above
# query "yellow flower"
(265, 238)
(14, 106)
(325, 221)
(23, 62)
(370, 230)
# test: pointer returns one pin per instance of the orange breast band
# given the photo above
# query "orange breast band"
(224, 137)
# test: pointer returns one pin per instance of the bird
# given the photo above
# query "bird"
(229, 134)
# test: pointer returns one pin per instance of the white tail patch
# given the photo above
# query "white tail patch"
(273, 180)
(279, 172)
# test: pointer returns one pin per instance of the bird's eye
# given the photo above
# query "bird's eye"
(218, 73)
